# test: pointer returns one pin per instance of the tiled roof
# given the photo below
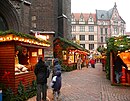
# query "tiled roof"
(85, 15)
(103, 14)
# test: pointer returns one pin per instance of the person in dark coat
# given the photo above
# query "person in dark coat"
(56, 84)
(41, 79)
(118, 68)
(57, 67)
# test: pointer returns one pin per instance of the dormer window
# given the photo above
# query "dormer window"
(90, 19)
(81, 18)
(72, 18)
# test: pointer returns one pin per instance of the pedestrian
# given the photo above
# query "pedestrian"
(103, 62)
(92, 62)
(79, 62)
(41, 72)
(87, 62)
(56, 67)
(56, 85)
(118, 68)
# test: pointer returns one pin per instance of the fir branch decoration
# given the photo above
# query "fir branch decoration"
(22, 35)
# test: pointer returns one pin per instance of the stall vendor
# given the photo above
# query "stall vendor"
(19, 67)
(23, 57)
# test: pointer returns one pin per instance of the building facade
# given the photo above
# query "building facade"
(84, 30)
(92, 30)
(109, 24)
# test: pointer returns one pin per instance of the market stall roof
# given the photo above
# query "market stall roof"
(120, 43)
(17, 36)
(70, 43)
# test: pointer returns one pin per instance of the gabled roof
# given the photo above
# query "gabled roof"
(85, 15)
(103, 14)
(122, 20)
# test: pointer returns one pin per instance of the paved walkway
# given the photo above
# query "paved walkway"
(90, 84)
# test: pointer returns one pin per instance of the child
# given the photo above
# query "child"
(92, 62)
(56, 85)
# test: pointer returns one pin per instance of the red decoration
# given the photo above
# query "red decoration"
(6, 76)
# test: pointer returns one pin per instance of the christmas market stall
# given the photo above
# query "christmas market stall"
(118, 47)
(68, 52)
(18, 55)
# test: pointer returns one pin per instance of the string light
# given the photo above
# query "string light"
(11, 37)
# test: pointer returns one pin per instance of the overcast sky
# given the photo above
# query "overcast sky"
(90, 6)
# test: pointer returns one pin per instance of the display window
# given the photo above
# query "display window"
(25, 59)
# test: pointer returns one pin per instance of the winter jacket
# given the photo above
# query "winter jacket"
(92, 61)
(118, 64)
(57, 67)
(56, 81)
(41, 72)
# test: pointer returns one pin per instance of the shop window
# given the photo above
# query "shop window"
(26, 59)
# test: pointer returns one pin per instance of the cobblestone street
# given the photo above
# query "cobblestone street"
(90, 84)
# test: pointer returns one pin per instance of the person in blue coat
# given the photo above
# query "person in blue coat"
(57, 67)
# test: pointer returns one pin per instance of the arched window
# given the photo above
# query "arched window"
(3, 24)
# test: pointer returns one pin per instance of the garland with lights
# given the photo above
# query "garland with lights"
(23, 36)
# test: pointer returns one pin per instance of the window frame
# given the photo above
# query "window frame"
(82, 37)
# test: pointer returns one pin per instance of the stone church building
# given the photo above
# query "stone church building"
(36, 15)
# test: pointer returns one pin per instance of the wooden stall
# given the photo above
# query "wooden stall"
(67, 51)
(11, 73)
(118, 46)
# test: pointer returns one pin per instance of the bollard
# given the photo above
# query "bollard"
(0, 95)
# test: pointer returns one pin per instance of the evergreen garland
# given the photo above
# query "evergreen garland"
(22, 35)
